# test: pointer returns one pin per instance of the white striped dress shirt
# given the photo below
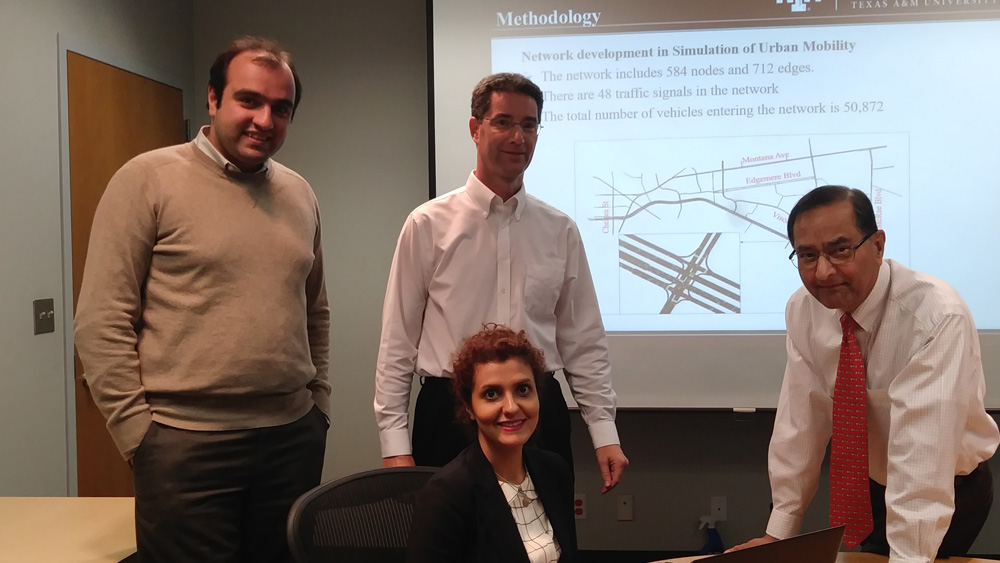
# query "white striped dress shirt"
(926, 418)
(467, 258)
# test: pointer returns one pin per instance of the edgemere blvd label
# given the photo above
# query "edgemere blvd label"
(527, 19)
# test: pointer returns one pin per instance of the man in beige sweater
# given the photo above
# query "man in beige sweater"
(203, 323)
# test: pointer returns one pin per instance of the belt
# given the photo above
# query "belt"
(435, 381)
(960, 479)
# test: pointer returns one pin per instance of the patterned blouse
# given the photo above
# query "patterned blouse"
(532, 523)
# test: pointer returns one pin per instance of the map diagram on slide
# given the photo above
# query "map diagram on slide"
(684, 277)
(699, 225)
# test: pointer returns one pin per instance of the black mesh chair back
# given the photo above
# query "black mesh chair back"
(360, 518)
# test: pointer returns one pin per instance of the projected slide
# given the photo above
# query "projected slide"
(678, 134)
(680, 154)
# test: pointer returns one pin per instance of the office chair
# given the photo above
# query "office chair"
(360, 518)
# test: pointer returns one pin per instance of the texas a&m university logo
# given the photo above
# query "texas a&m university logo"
(798, 5)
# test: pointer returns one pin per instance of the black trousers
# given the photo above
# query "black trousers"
(973, 499)
(223, 496)
(438, 436)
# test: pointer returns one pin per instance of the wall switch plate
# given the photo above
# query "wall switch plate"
(45, 315)
(719, 511)
(580, 506)
(625, 507)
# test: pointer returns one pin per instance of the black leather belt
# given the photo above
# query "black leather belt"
(960, 479)
(435, 381)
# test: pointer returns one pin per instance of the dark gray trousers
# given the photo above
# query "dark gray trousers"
(223, 496)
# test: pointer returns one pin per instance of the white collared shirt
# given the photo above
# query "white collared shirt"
(467, 258)
(926, 418)
(201, 141)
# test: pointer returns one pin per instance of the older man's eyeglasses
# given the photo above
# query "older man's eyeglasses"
(839, 254)
(504, 123)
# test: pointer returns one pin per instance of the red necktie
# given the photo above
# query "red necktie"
(850, 498)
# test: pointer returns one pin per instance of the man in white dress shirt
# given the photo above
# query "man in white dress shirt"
(928, 433)
(489, 252)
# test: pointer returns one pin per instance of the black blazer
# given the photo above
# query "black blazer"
(462, 515)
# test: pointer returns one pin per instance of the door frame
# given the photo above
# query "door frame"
(106, 54)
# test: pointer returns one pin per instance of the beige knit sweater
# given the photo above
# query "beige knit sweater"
(203, 304)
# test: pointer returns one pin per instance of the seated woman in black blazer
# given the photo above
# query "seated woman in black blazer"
(499, 500)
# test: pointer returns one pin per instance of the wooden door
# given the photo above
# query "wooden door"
(114, 115)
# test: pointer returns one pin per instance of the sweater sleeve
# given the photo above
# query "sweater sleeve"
(109, 308)
(318, 324)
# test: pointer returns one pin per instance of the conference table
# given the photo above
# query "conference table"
(102, 530)
(66, 529)
(850, 557)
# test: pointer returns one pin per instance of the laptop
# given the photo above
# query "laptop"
(815, 547)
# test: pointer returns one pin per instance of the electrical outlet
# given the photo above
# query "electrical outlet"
(580, 506)
(625, 507)
(719, 509)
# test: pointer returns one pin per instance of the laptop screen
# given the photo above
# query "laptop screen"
(816, 547)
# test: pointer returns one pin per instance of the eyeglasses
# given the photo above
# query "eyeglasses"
(842, 254)
(505, 123)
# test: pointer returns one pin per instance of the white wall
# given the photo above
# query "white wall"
(680, 459)
(35, 444)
